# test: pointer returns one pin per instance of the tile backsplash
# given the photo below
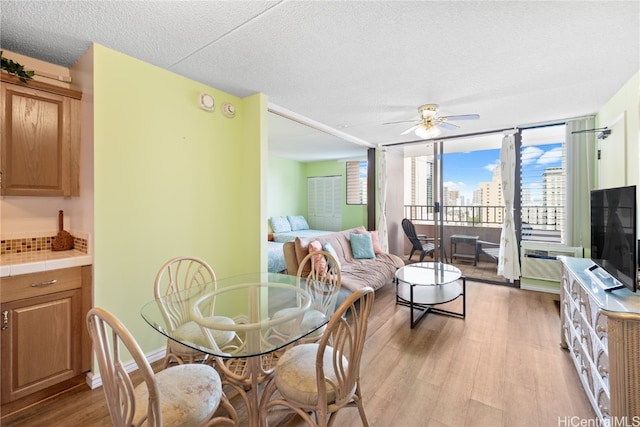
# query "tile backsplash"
(39, 244)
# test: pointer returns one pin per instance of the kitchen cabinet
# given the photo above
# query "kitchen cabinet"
(44, 343)
(40, 139)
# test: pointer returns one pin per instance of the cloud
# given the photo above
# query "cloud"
(530, 154)
(452, 185)
(552, 156)
(491, 166)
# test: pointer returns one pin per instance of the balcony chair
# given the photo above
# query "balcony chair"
(184, 395)
(323, 377)
(490, 249)
(420, 242)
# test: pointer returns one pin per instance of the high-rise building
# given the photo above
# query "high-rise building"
(553, 198)
(491, 199)
(452, 197)
(418, 171)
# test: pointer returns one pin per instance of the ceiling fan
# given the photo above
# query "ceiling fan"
(429, 122)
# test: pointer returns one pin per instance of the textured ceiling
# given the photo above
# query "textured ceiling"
(351, 66)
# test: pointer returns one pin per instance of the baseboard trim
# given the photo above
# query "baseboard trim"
(95, 381)
(539, 288)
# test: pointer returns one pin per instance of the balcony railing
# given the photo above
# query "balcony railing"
(537, 217)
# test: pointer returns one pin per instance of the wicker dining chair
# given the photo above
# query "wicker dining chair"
(320, 274)
(174, 277)
(181, 395)
(323, 377)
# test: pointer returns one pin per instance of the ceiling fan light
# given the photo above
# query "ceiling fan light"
(428, 110)
(427, 133)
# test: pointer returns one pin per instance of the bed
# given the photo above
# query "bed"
(276, 257)
(286, 229)
(274, 248)
(291, 235)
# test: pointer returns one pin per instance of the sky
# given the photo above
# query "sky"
(463, 171)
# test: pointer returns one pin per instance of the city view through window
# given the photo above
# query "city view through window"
(472, 187)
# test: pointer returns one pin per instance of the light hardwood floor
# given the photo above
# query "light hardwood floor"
(501, 366)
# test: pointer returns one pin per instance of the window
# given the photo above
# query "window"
(356, 183)
(472, 184)
(543, 184)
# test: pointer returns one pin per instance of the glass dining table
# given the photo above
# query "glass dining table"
(242, 322)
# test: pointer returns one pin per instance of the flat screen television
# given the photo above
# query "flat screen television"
(614, 239)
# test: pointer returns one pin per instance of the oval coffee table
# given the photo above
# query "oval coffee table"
(423, 285)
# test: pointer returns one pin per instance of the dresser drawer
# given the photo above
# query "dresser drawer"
(42, 283)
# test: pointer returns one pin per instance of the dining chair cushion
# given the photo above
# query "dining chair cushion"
(295, 374)
(191, 331)
(310, 318)
(189, 394)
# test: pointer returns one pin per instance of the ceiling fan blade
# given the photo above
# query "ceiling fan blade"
(446, 125)
(411, 129)
(402, 121)
(462, 117)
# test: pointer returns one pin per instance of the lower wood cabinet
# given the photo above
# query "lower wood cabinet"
(44, 342)
(601, 330)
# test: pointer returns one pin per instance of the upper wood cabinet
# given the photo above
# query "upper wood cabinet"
(40, 139)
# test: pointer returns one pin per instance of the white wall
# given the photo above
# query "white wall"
(620, 155)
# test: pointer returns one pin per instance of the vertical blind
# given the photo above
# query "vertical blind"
(356, 183)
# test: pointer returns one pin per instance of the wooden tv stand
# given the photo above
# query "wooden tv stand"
(601, 330)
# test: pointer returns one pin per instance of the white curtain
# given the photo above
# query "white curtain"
(508, 261)
(381, 197)
(581, 149)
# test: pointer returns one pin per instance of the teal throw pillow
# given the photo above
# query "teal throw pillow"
(280, 224)
(328, 248)
(297, 222)
(361, 246)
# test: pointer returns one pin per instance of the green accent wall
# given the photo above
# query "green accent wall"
(352, 215)
(170, 179)
(288, 189)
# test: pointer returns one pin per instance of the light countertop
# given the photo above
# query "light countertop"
(33, 262)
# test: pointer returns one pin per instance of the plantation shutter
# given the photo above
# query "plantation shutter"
(324, 203)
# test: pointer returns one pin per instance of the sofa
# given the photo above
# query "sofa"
(356, 272)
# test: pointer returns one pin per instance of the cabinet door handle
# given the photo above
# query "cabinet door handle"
(44, 284)
(5, 320)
